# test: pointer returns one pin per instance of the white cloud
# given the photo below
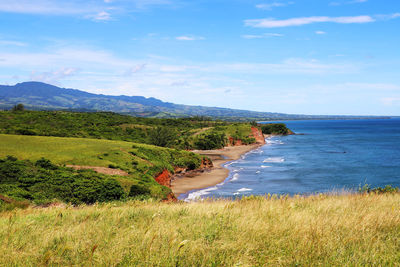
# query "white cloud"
(101, 16)
(287, 66)
(320, 32)
(12, 43)
(270, 6)
(260, 36)
(348, 2)
(46, 7)
(390, 101)
(189, 38)
(135, 69)
(96, 10)
(388, 17)
(273, 23)
(53, 76)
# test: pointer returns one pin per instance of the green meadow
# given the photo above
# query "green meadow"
(142, 162)
(62, 150)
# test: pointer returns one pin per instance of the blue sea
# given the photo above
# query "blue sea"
(323, 156)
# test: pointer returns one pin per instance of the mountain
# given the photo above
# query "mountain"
(38, 95)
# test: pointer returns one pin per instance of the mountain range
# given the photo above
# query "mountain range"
(42, 96)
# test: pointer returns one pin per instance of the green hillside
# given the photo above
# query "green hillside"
(184, 133)
(141, 162)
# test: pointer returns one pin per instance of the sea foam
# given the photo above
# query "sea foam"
(274, 159)
(197, 195)
(244, 189)
(235, 177)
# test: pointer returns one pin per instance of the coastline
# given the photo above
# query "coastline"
(216, 174)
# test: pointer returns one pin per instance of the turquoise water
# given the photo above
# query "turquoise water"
(322, 156)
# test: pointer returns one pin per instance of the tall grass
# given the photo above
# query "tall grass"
(345, 230)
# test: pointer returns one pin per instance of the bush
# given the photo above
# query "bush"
(210, 141)
(138, 190)
(162, 136)
(378, 190)
(43, 182)
(18, 107)
(275, 128)
(25, 132)
(45, 164)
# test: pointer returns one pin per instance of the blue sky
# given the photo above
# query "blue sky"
(304, 56)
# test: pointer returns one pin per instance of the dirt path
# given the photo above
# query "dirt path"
(103, 170)
(201, 131)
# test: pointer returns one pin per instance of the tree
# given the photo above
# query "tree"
(275, 128)
(18, 107)
(210, 141)
(162, 136)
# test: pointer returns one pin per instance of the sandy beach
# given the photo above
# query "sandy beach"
(214, 176)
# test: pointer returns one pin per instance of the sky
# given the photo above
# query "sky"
(326, 57)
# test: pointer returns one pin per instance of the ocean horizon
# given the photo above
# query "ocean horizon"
(323, 156)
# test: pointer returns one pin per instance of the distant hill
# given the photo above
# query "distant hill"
(42, 96)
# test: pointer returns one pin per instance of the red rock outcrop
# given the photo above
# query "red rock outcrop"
(164, 178)
(258, 135)
(206, 163)
(170, 198)
(235, 142)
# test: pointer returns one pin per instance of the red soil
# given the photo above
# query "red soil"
(258, 135)
(164, 178)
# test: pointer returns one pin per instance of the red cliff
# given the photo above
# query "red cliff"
(164, 178)
(258, 135)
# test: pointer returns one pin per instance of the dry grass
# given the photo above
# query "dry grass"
(346, 230)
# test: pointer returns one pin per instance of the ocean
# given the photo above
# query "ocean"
(323, 156)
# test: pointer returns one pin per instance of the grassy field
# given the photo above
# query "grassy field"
(180, 133)
(345, 230)
(141, 161)
(62, 150)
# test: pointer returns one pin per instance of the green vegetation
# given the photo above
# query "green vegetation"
(219, 136)
(104, 140)
(141, 162)
(184, 133)
(275, 128)
(321, 230)
(18, 107)
(97, 125)
(213, 140)
(44, 182)
(378, 190)
(162, 136)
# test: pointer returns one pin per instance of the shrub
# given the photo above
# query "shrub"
(275, 128)
(162, 136)
(112, 166)
(378, 190)
(18, 107)
(43, 182)
(138, 190)
(25, 132)
(210, 141)
(45, 164)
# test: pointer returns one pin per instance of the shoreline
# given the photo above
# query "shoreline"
(216, 174)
